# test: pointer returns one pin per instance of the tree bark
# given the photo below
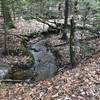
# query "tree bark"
(6, 14)
(72, 40)
(66, 13)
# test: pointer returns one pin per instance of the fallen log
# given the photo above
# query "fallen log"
(55, 25)
(90, 29)
(89, 38)
(17, 35)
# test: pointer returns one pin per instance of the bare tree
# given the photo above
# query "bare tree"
(66, 13)
(72, 40)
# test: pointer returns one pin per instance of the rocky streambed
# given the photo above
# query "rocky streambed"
(44, 65)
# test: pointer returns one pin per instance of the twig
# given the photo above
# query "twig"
(9, 80)
(19, 36)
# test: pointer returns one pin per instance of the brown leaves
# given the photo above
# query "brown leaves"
(81, 83)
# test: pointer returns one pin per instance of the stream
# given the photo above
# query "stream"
(43, 68)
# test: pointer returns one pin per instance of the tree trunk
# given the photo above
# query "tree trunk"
(7, 21)
(5, 40)
(6, 14)
(72, 40)
(66, 13)
(13, 9)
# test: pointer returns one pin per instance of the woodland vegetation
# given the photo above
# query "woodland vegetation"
(50, 49)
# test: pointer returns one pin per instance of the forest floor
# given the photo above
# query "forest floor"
(79, 83)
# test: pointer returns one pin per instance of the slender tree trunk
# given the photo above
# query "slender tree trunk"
(70, 7)
(5, 40)
(13, 9)
(4, 26)
(6, 14)
(72, 40)
(66, 13)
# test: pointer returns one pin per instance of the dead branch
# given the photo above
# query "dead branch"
(89, 38)
(50, 24)
(19, 36)
(90, 29)
(54, 26)
(10, 81)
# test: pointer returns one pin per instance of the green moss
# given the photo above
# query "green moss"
(24, 51)
(4, 65)
(22, 74)
(98, 27)
(3, 86)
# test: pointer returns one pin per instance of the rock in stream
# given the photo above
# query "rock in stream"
(4, 70)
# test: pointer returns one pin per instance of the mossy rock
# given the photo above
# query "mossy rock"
(22, 74)
(4, 65)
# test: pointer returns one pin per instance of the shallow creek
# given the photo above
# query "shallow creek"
(44, 64)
